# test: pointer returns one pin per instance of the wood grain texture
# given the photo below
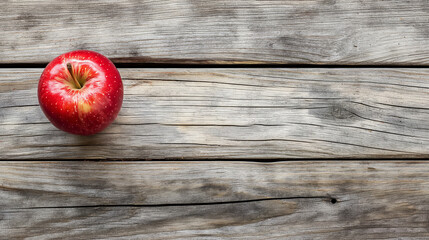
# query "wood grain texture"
(220, 31)
(233, 113)
(212, 200)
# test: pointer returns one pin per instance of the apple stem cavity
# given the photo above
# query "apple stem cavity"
(76, 82)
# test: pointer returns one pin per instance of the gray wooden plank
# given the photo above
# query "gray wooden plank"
(212, 200)
(233, 113)
(221, 31)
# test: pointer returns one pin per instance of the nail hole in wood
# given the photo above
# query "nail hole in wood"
(333, 200)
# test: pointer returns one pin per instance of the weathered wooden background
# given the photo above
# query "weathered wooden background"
(285, 80)
(234, 113)
(219, 31)
(208, 200)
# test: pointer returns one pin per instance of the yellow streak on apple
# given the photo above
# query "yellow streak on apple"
(83, 107)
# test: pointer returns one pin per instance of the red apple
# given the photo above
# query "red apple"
(81, 92)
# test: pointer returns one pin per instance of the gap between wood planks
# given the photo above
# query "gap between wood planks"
(224, 65)
(262, 160)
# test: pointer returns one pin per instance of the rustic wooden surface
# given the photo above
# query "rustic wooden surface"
(211, 200)
(234, 113)
(222, 114)
(221, 31)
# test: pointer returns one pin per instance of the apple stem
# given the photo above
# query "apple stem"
(76, 82)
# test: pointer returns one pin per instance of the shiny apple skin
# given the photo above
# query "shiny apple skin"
(83, 111)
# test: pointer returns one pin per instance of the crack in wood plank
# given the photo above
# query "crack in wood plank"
(324, 198)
